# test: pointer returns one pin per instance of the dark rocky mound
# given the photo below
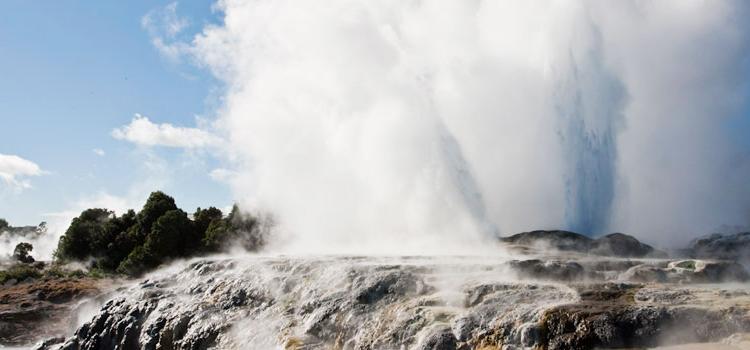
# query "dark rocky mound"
(615, 244)
(559, 240)
(717, 246)
(620, 244)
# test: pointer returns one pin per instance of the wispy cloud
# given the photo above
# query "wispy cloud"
(163, 26)
(141, 131)
(99, 152)
(14, 171)
(222, 175)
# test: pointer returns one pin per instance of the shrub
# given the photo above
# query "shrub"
(137, 262)
(85, 236)
(135, 243)
(19, 272)
(157, 205)
(21, 253)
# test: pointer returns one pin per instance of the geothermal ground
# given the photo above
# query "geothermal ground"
(538, 299)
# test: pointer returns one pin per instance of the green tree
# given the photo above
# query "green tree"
(204, 217)
(137, 262)
(236, 228)
(21, 252)
(3, 225)
(171, 235)
(85, 235)
(158, 204)
(121, 239)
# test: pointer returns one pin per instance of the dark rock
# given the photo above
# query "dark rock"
(644, 274)
(717, 246)
(622, 245)
(557, 239)
(615, 244)
(549, 270)
(440, 338)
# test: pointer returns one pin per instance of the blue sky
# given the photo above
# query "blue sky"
(70, 73)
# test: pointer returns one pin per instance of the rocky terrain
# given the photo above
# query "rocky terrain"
(553, 295)
(44, 308)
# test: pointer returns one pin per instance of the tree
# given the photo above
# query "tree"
(204, 217)
(171, 235)
(86, 235)
(157, 205)
(137, 242)
(21, 253)
(121, 239)
(3, 225)
(237, 227)
(137, 262)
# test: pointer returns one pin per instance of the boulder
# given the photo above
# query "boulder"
(718, 246)
(622, 245)
(644, 274)
(615, 244)
(556, 239)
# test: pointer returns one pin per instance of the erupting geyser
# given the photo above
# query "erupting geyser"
(397, 124)
(397, 145)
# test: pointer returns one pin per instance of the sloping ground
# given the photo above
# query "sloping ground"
(37, 309)
(422, 303)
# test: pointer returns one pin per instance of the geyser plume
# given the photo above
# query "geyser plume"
(425, 125)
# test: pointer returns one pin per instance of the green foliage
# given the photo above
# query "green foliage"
(218, 233)
(236, 228)
(86, 235)
(3, 225)
(21, 252)
(204, 217)
(157, 205)
(19, 272)
(138, 262)
(122, 238)
(171, 236)
(135, 243)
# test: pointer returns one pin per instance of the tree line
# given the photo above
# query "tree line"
(134, 243)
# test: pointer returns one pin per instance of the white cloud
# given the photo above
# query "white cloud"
(222, 175)
(141, 131)
(99, 152)
(163, 26)
(14, 171)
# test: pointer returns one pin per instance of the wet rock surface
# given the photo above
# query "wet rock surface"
(39, 308)
(421, 303)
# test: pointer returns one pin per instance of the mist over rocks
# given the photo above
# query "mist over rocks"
(398, 303)
(721, 246)
(615, 244)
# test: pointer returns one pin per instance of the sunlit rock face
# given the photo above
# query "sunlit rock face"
(554, 302)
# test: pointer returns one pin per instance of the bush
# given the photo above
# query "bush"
(137, 262)
(19, 272)
(21, 253)
(135, 243)
(157, 205)
(86, 235)
(236, 228)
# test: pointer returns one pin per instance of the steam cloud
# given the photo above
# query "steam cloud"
(431, 124)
